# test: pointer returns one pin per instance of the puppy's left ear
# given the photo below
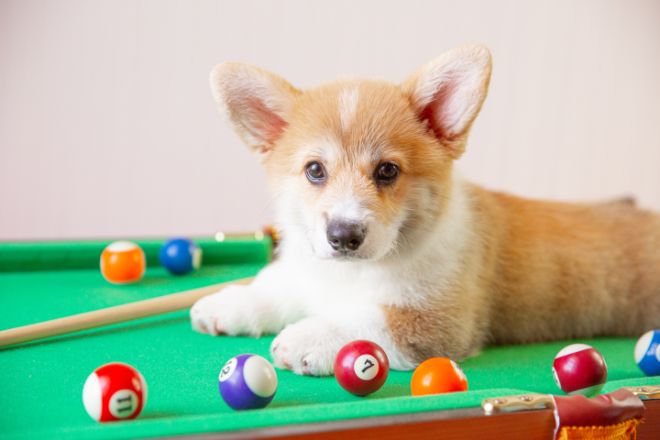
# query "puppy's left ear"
(257, 102)
(448, 92)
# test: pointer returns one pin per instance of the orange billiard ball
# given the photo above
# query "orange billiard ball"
(123, 262)
(436, 376)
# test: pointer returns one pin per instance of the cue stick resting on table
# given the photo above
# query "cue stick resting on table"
(111, 315)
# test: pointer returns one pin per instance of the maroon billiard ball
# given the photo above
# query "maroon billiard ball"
(361, 367)
(580, 369)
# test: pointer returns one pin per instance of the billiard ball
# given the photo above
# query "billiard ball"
(438, 375)
(180, 256)
(361, 367)
(114, 391)
(580, 369)
(247, 381)
(647, 353)
(123, 262)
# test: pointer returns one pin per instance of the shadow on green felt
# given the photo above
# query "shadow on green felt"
(149, 415)
(391, 390)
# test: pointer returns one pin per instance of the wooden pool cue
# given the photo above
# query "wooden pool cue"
(111, 315)
(266, 231)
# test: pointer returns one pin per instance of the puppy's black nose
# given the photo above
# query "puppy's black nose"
(345, 236)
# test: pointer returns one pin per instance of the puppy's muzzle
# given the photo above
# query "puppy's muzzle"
(345, 236)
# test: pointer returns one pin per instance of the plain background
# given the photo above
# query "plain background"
(107, 127)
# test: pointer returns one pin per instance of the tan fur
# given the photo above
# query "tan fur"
(391, 129)
(545, 271)
(528, 270)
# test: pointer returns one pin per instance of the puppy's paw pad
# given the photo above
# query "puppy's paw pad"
(230, 311)
(307, 347)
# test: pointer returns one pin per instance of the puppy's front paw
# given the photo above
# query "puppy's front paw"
(307, 347)
(236, 310)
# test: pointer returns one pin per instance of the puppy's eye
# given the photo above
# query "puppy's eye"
(386, 173)
(315, 172)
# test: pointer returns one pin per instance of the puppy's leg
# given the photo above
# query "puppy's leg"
(310, 345)
(265, 306)
(453, 324)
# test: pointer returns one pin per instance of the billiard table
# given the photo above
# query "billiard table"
(41, 381)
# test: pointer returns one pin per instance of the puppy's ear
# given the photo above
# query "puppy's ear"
(448, 92)
(257, 102)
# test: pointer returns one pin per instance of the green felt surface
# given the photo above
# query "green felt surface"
(56, 255)
(42, 382)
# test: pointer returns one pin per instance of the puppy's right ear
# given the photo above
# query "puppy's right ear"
(257, 102)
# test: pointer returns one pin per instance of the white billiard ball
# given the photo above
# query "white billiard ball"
(647, 353)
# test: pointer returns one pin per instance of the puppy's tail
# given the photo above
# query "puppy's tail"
(629, 201)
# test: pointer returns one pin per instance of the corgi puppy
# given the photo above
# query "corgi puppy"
(381, 240)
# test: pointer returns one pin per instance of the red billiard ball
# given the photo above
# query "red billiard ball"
(437, 375)
(114, 391)
(580, 369)
(361, 367)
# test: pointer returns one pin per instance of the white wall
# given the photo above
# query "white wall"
(107, 127)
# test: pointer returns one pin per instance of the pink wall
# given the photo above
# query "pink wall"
(107, 127)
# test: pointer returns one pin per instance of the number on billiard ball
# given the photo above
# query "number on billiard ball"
(437, 376)
(114, 391)
(123, 262)
(361, 367)
(180, 256)
(647, 353)
(247, 381)
(580, 369)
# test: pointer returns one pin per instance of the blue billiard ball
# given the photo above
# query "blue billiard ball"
(647, 353)
(247, 381)
(180, 256)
